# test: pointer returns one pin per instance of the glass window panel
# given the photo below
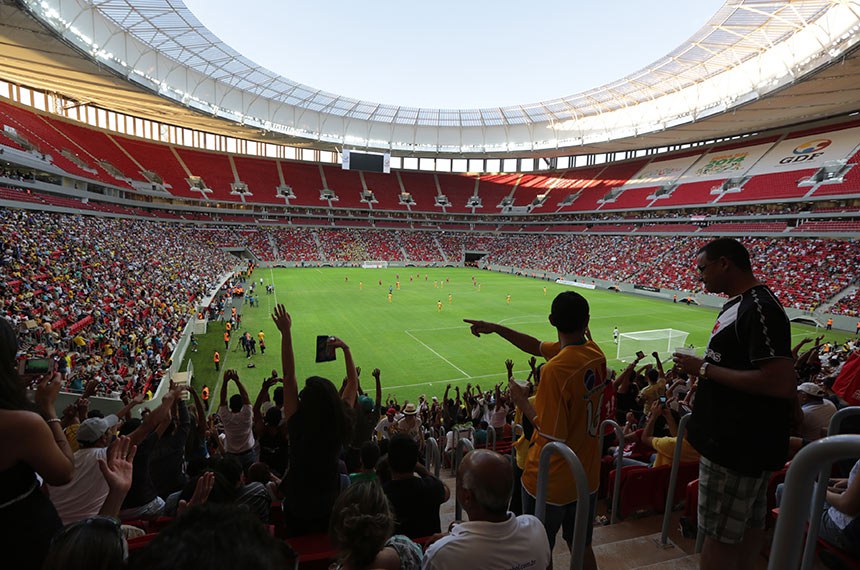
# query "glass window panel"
(510, 165)
(410, 163)
(493, 165)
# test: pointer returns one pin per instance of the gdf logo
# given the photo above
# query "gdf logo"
(807, 151)
(809, 147)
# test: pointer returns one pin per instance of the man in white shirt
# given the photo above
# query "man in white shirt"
(816, 410)
(494, 538)
(84, 495)
(238, 422)
(386, 425)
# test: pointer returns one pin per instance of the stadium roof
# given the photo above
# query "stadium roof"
(749, 49)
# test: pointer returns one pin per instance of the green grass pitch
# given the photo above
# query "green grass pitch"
(418, 348)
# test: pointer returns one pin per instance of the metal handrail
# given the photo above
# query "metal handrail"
(432, 455)
(673, 478)
(514, 438)
(458, 457)
(583, 508)
(619, 433)
(805, 466)
(455, 436)
(820, 492)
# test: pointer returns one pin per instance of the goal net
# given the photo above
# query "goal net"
(663, 341)
(375, 265)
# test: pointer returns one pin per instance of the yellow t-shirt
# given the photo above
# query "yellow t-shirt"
(568, 404)
(522, 444)
(652, 392)
(665, 448)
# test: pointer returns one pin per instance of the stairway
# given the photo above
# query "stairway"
(632, 544)
(317, 241)
(439, 247)
(823, 308)
(274, 245)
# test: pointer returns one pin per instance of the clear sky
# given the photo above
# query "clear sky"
(454, 54)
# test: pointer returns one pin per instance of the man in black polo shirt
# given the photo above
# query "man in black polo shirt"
(740, 422)
(415, 494)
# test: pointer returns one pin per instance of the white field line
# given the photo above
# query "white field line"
(457, 368)
(522, 373)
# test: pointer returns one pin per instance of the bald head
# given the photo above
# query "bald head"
(488, 479)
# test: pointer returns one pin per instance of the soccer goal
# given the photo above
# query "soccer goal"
(663, 341)
(375, 265)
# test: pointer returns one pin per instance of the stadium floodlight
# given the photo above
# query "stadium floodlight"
(663, 341)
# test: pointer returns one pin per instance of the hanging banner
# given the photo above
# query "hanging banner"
(722, 165)
(801, 153)
(660, 173)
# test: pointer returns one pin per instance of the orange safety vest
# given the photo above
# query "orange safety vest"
(226, 337)
(217, 357)
(205, 391)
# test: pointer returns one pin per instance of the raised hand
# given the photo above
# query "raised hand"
(509, 364)
(337, 343)
(375, 373)
(282, 319)
(117, 469)
(201, 492)
(480, 327)
(532, 363)
(46, 394)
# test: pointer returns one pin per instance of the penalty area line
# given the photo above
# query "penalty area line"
(454, 366)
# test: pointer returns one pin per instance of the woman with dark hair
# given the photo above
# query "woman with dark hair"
(31, 441)
(319, 425)
(96, 543)
(362, 532)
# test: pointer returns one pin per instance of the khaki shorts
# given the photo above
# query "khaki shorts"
(730, 503)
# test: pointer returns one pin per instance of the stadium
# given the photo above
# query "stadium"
(162, 194)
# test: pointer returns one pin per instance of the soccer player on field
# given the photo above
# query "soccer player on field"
(439, 305)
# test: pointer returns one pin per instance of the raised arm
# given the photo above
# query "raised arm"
(157, 416)
(201, 412)
(262, 398)
(350, 392)
(124, 412)
(222, 398)
(284, 323)
(378, 389)
(656, 356)
(246, 399)
(524, 342)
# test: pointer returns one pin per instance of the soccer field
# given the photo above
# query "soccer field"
(418, 348)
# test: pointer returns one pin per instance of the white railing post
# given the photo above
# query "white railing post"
(673, 478)
(616, 494)
(583, 507)
(806, 465)
(817, 506)
(432, 455)
(458, 457)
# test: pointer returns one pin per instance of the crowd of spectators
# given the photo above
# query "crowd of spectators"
(107, 298)
(300, 455)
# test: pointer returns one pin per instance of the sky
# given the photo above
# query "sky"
(454, 54)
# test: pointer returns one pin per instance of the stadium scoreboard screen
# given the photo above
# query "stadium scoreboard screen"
(366, 161)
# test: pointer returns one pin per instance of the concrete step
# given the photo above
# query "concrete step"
(690, 562)
(637, 552)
